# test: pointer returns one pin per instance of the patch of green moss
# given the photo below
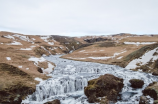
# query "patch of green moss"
(91, 82)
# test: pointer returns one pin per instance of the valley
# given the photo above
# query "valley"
(49, 67)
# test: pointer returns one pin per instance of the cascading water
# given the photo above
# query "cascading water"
(70, 77)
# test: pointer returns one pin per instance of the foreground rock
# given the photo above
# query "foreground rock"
(144, 100)
(152, 91)
(136, 83)
(107, 86)
(56, 101)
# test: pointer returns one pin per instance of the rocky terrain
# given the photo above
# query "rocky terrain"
(23, 66)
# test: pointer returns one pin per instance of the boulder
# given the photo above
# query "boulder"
(39, 70)
(144, 100)
(155, 73)
(152, 90)
(56, 101)
(106, 85)
(136, 83)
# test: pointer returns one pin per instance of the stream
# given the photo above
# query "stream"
(70, 77)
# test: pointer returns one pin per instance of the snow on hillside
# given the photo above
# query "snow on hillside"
(9, 37)
(8, 58)
(147, 57)
(108, 57)
(139, 43)
(37, 61)
(27, 49)
(45, 38)
(15, 43)
(23, 37)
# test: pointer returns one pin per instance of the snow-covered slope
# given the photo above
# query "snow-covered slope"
(143, 60)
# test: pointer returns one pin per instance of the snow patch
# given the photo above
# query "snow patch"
(101, 50)
(8, 58)
(82, 51)
(9, 37)
(27, 68)
(35, 59)
(108, 57)
(32, 46)
(139, 43)
(45, 38)
(77, 58)
(26, 49)
(19, 66)
(15, 43)
(105, 58)
(49, 69)
(120, 57)
(33, 39)
(38, 79)
(22, 37)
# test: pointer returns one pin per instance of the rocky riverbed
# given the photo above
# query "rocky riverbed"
(70, 77)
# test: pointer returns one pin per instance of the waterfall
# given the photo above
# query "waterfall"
(70, 77)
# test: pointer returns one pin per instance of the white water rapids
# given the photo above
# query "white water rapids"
(70, 77)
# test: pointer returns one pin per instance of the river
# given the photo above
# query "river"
(70, 77)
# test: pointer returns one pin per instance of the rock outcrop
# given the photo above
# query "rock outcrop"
(152, 91)
(56, 101)
(105, 86)
(95, 40)
(136, 83)
(144, 100)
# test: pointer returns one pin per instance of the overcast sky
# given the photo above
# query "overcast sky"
(79, 17)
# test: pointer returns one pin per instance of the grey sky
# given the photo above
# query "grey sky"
(79, 17)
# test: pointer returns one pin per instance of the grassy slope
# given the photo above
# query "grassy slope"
(15, 84)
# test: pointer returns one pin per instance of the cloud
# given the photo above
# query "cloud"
(80, 17)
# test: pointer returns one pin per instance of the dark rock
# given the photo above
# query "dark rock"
(144, 100)
(152, 90)
(95, 40)
(136, 83)
(155, 73)
(56, 101)
(39, 70)
(106, 85)
(15, 94)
